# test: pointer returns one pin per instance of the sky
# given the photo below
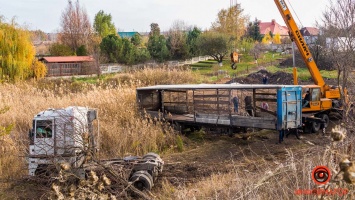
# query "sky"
(137, 15)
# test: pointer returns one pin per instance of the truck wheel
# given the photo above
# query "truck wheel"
(142, 180)
(326, 119)
(315, 127)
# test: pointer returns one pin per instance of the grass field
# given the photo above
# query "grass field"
(269, 61)
(245, 66)
(303, 73)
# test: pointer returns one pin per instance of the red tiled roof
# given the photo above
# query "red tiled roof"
(68, 59)
(274, 27)
(309, 31)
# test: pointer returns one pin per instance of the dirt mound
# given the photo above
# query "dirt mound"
(281, 78)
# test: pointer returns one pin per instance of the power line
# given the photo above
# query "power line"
(295, 13)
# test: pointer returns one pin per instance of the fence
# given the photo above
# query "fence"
(173, 63)
(112, 68)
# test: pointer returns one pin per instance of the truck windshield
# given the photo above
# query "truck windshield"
(44, 129)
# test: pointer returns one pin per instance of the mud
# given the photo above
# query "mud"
(222, 154)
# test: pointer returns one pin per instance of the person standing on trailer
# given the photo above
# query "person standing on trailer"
(265, 79)
(235, 102)
(248, 105)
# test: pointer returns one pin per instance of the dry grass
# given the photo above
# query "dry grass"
(160, 76)
(260, 178)
(266, 181)
(122, 130)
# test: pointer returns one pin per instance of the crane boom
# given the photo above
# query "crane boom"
(297, 37)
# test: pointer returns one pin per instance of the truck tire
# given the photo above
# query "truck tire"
(142, 180)
(156, 158)
(315, 127)
(325, 117)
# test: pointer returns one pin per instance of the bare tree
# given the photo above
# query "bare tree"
(177, 40)
(338, 26)
(95, 51)
(75, 26)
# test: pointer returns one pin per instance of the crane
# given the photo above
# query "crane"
(322, 97)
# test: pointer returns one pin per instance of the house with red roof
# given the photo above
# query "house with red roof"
(69, 65)
(310, 34)
(274, 28)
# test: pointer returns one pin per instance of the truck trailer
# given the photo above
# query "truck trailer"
(275, 107)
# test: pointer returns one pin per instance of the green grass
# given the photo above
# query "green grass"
(246, 65)
(303, 73)
(209, 62)
(210, 68)
(203, 65)
(179, 143)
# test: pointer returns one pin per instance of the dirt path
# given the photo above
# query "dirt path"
(220, 154)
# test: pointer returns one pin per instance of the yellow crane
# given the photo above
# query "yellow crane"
(322, 98)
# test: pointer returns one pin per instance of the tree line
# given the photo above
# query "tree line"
(231, 31)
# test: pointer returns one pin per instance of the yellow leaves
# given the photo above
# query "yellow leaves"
(39, 69)
(5, 130)
(277, 39)
(17, 52)
(266, 39)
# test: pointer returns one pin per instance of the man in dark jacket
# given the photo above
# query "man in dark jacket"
(265, 79)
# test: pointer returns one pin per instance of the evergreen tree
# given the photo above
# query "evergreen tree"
(253, 31)
(157, 44)
(192, 38)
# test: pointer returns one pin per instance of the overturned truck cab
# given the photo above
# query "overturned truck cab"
(68, 137)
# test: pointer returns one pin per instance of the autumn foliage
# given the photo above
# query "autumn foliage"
(17, 54)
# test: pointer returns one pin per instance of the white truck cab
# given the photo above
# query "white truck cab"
(60, 135)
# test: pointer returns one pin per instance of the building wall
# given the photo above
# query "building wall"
(70, 69)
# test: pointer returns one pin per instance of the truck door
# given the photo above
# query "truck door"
(289, 108)
(315, 99)
(43, 137)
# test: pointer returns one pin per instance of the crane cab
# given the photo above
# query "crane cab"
(312, 101)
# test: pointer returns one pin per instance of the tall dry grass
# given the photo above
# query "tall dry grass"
(161, 76)
(122, 129)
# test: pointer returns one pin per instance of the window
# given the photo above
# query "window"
(315, 94)
(44, 129)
